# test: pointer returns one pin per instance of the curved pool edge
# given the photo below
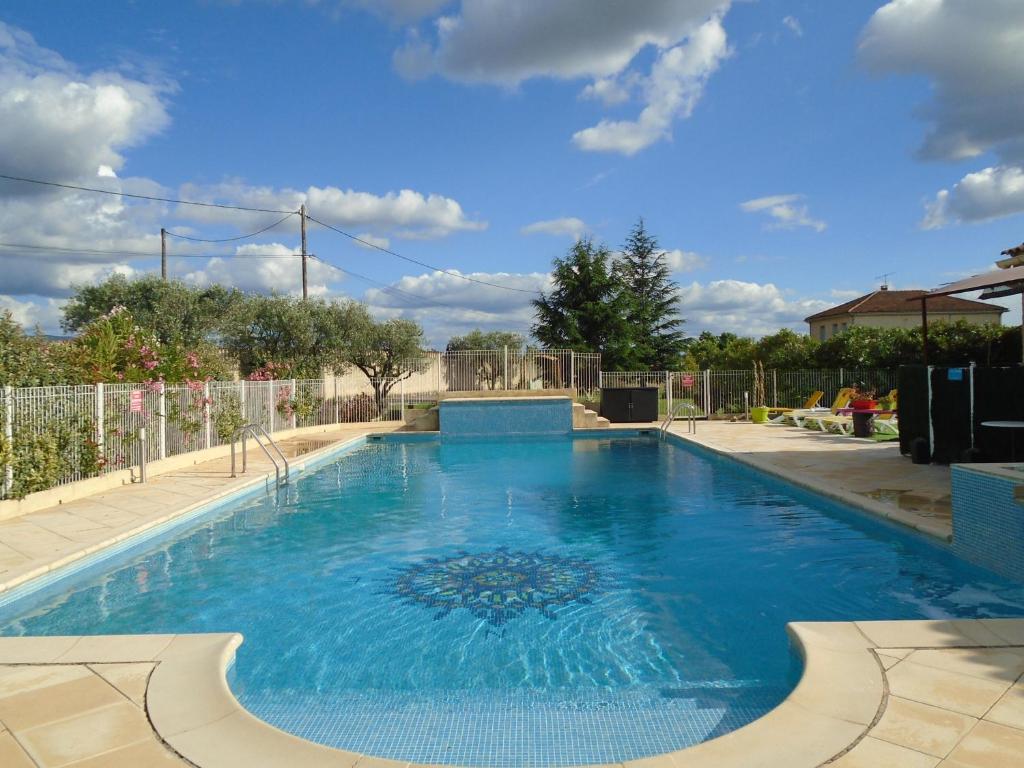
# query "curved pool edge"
(838, 698)
(829, 718)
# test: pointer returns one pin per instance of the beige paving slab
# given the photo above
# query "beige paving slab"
(997, 664)
(129, 678)
(922, 727)
(1009, 710)
(11, 753)
(949, 690)
(22, 679)
(874, 753)
(22, 711)
(928, 634)
(144, 754)
(989, 745)
(84, 736)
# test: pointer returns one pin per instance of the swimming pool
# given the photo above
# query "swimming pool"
(517, 601)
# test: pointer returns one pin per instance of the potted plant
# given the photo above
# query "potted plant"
(759, 411)
(864, 398)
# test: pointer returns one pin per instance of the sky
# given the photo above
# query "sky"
(786, 153)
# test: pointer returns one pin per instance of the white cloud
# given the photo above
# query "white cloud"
(400, 11)
(786, 212)
(570, 226)
(987, 194)
(842, 294)
(792, 23)
(672, 91)
(277, 269)
(749, 309)
(503, 43)
(406, 213)
(44, 314)
(366, 237)
(447, 305)
(59, 123)
(684, 261)
(972, 55)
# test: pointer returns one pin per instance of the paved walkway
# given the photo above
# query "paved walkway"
(34, 544)
(864, 473)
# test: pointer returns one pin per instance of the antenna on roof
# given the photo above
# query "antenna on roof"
(885, 279)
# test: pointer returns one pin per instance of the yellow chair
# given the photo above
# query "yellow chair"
(776, 414)
(798, 417)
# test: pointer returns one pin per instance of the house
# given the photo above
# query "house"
(898, 309)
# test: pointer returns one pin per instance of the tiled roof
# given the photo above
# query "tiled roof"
(890, 302)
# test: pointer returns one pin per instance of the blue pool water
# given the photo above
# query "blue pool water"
(543, 601)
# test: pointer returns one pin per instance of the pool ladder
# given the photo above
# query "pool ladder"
(691, 420)
(254, 431)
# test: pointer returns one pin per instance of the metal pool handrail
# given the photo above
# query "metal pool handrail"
(691, 422)
(256, 430)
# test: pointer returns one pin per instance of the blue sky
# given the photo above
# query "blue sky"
(784, 152)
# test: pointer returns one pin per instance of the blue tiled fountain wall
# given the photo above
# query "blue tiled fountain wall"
(496, 416)
(988, 521)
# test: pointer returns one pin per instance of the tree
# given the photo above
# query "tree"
(786, 350)
(586, 309)
(174, 311)
(297, 338)
(487, 365)
(386, 352)
(652, 301)
(727, 351)
(28, 361)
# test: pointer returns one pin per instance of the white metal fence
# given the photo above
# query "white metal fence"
(56, 435)
(726, 393)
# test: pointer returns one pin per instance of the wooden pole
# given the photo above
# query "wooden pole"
(163, 253)
(302, 216)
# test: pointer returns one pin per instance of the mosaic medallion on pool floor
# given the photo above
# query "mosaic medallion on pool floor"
(498, 585)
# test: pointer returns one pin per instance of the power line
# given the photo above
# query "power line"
(144, 254)
(383, 286)
(141, 197)
(230, 239)
(368, 244)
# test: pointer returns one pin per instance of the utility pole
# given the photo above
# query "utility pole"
(163, 253)
(302, 216)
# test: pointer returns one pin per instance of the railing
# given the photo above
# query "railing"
(691, 423)
(256, 430)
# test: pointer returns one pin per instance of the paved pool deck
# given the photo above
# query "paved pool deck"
(873, 695)
(863, 473)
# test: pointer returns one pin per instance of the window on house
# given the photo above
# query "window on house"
(835, 328)
(821, 332)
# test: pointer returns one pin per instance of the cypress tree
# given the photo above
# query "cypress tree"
(651, 295)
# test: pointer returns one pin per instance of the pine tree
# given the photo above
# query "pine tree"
(652, 301)
(586, 309)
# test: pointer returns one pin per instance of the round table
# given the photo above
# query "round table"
(1010, 425)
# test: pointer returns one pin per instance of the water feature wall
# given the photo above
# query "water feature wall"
(475, 417)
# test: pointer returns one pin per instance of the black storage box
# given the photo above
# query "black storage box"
(629, 404)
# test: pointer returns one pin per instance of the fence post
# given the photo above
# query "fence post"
(842, 377)
(439, 358)
(206, 414)
(572, 369)
(100, 418)
(401, 391)
(504, 375)
(775, 388)
(295, 393)
(242, 411)
(161, 424)
(336, 412)
(271, 409)
(9, 438)
(668, 392)
(707, 393)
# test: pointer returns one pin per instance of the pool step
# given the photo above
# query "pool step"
(584, 418)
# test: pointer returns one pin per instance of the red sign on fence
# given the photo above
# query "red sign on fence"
(136, 401)
(687, 381)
